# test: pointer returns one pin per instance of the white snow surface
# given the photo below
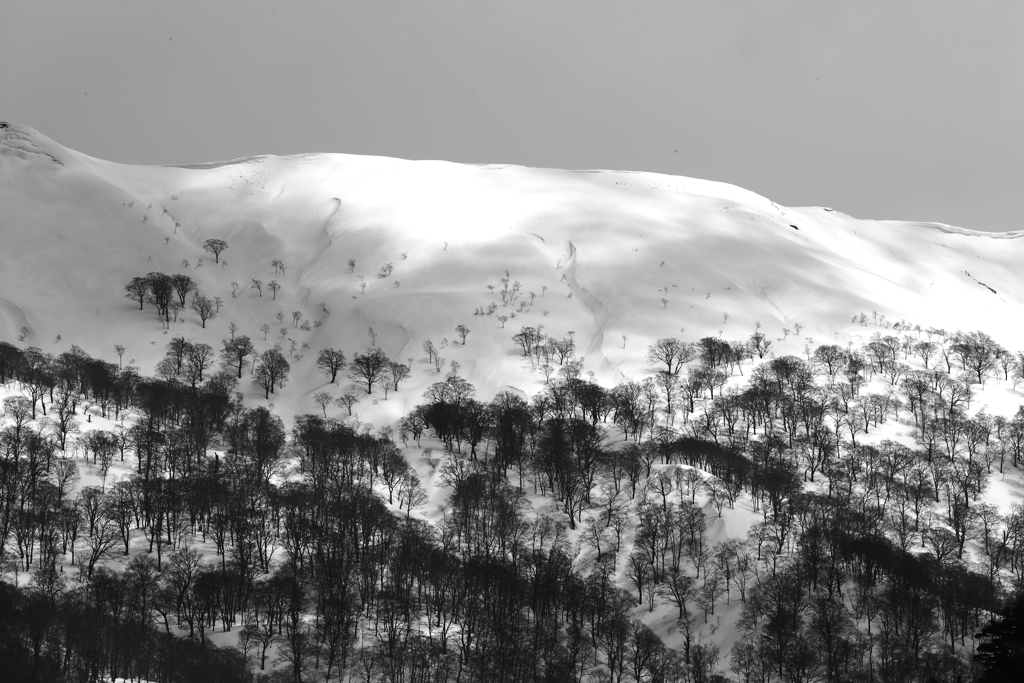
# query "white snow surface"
(608, 246)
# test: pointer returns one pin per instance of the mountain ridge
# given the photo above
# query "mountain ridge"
(618, 258)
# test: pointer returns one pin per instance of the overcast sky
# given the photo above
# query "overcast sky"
(910, 110)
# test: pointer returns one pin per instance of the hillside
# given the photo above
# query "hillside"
(788, 415)
(603, 254)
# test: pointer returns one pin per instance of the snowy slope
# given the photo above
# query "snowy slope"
(606, 253)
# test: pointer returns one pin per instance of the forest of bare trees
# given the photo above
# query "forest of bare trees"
(869, 560)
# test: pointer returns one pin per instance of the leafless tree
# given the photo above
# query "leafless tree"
(137, 289)
(198, 358)
(347, 400)
(430, 349)
(204, 308)
(272, 371)
(672, 352)
(215, 247)
(330, 361)
(369, 367)
(397, 373)
(322, 399)
(236, 350)
(183, 284)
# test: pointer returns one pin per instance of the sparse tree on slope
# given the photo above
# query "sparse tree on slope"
(183, 284)
(137, 289)
(672, 352)
(977, 353)
(215, 247)
(161, 294)
(236, 351)
(322, 399)
(369, 367)
(330, 361)
(203, 307)
(397, 373)
(347, 400)
(760, 344)
(272, 371)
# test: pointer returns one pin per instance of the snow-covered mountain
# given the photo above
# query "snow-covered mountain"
(615, 258)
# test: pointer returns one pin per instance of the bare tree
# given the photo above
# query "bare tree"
(161, 293)
(272, 371)
(977, 353)
(203, 307)
(64, 476)
(274, 287)
(347, 400)
(175, 309)
(105, 459)
(760, 343)
(258, 286)
(672, 352)
(330, 361)
(183, 284)
(137, 289)
(198, 358)
(369, 367)
(430, 349)
(119, 350)
(215, 247)
(411, 492)
(103, 535)
(322, 399)
(397, 373)
(265, 329)
(236, 350)
(463, 331)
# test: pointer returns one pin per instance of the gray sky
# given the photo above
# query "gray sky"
(908, 110)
